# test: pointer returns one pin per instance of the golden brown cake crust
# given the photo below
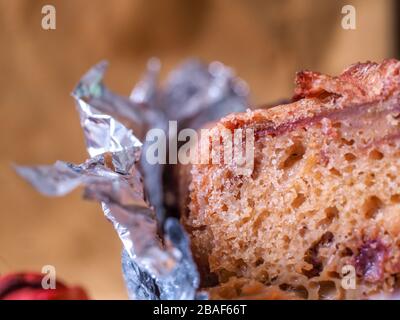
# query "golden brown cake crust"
(324, 192)
(361, 83)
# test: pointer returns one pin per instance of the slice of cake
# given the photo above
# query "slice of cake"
(322, 202)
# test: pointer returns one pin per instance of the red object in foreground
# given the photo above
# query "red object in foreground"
(28, 286)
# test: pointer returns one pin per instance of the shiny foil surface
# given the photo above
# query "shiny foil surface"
(157, 262)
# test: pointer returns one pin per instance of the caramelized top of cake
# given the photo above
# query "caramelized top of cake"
(320, 94)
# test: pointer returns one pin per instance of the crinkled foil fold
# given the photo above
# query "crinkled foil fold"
(156, 259)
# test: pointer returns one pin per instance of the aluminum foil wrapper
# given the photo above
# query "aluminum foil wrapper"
(156, 260)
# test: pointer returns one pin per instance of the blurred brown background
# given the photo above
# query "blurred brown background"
(266, 42)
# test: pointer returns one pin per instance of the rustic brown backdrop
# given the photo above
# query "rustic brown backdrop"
(265, 41)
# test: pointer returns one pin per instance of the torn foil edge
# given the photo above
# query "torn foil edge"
(111, 176)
